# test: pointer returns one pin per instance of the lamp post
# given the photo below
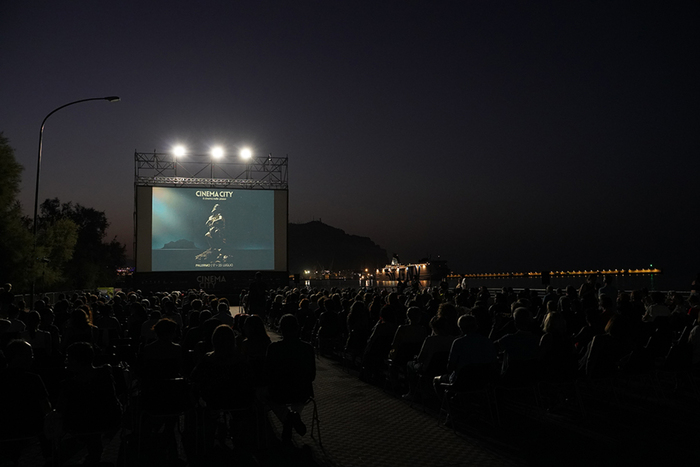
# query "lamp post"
(38, 173)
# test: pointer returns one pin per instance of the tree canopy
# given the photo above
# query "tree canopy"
(92, 262)
(70, 250)
(15, 238)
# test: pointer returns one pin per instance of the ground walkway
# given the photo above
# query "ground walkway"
(642, 420)
(362, 425)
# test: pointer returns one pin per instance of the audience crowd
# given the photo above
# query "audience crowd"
(89, 365)
(84, 364)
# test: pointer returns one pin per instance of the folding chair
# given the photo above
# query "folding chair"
(315, 422)
(471, 381)
(522, 375)
(19, 443)
(251, 408)
(163, 399)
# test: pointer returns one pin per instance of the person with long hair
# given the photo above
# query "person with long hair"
(255, 339)
(78, 329)
(222, 379)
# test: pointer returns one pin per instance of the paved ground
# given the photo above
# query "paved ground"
(362, 425)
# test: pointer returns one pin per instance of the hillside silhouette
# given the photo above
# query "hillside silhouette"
(317, 246)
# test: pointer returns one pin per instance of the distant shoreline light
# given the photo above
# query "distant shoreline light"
(613, 272)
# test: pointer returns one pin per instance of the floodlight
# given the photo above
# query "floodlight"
(217, 152)
(246, 153)
(179, 150)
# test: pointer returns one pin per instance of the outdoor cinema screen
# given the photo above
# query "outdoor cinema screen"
(205, 229)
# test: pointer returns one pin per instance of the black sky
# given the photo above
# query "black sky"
(499, 135)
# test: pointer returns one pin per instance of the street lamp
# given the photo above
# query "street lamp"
(38, 173)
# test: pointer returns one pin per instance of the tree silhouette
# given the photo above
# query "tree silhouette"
(93, 261)
(15, 238)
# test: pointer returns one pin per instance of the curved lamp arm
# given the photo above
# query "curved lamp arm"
(38, 173)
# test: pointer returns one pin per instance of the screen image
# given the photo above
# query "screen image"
(205, 229)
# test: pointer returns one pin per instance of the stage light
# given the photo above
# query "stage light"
(246, 153)
(179, 150)
(217, 152)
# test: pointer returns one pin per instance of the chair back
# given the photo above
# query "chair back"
(473, 377)
(357, 339)
(166, 397)
(438, 364)
(522, 372)
(124, 350)
(405, 352)
(380, 347)
(160, 369)
(679, 357)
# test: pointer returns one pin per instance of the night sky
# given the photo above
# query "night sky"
(500, 135)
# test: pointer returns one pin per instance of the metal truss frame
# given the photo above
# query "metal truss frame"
(164, 169)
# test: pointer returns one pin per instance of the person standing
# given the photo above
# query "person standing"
(257, 295)
(608, 288)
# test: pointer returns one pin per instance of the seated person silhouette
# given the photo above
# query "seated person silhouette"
(472, 357)
(162, 358)
(409, 338)
(435, 345)
(23, 400)
(223, 313)
(290, 369)
(329, 331)
(254, 344)
(378, 345)
(521, 350)
(222, 379)
(608, 349)
(358, 327)
(88, 402)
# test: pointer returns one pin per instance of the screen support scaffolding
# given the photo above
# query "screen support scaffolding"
(156, 169)
(167, 170)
